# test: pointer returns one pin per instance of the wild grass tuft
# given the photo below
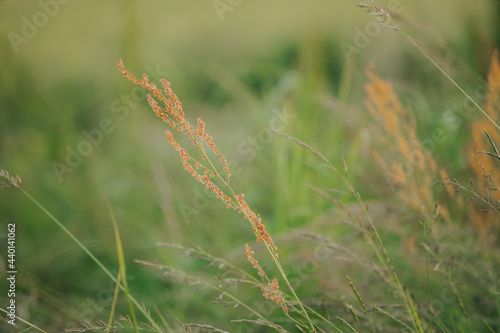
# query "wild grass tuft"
(10, 181)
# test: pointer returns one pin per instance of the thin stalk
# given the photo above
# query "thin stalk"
(211, 286)
(240, 302)
(91, 255)
(122, 267)
(428, 285)
(322, 317)
(448, 77)
(427, 228)
(275, 260)
(235, 268)
(384, 256)
(113, 305)
(24, 321)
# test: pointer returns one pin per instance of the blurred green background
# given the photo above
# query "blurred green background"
(235, 64)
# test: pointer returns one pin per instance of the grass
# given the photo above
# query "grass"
(367, 243)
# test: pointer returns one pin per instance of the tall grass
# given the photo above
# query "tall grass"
(173, 114)
(425, 268)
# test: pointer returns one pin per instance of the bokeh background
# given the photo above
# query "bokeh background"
(235, 64)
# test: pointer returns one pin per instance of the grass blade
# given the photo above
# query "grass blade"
(122, 269)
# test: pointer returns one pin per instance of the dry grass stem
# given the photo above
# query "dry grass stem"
(173, 114)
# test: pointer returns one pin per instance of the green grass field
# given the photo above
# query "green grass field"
(80, 135)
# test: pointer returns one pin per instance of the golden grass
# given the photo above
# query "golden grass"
(485, 167)
(410, 169)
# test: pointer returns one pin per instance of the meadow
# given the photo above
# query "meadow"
(363, 138)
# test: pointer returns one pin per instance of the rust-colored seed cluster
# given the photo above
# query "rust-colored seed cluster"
(173, 114)
(260, 230)
(254, 262)
(271, 290)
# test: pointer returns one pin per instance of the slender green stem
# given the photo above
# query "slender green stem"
(428, 288)
(209, 285)
(448, 77)
(381, 254)
(121, 262)
(269, 250)
(24, 321)
(394, 277)
(321, 317)
(91, 255)
(113, 305)
(243, 304)
(252, 279)
(427, 229)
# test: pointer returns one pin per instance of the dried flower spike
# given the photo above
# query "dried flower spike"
(376, 10)
(172, 113)
(12, 181)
